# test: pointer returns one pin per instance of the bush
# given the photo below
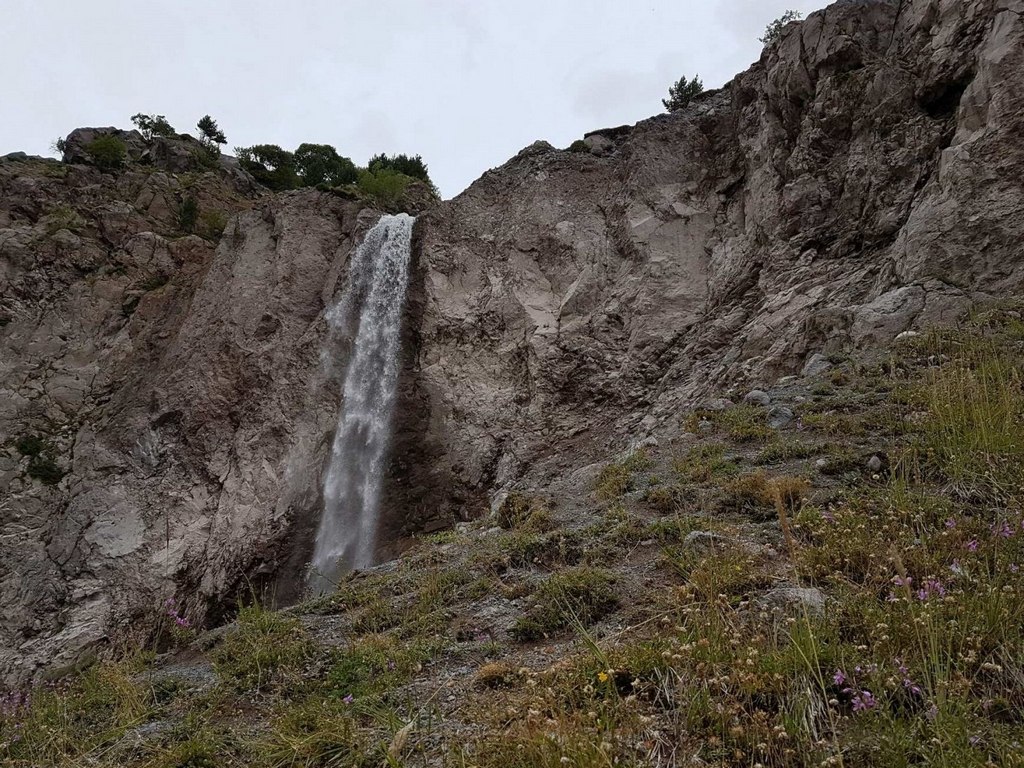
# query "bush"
(152, 125)
(270, 165)
(212, 224)
(383, 186)
(682, 93)
(413, 167)
(321, 164)
(579, 146)
(188, 215)
(774, 30)
(108, 153)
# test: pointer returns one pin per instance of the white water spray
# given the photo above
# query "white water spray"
(370, 310)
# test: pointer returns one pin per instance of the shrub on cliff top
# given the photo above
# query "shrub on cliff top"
(108, 153)
(774, 29)
(682, 93)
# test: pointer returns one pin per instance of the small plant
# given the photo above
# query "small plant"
(212, 224)
(774, 30)
(579, 146)
(264, 649)
(59, 146)
(578, 594)
(682, 93)
(42, 463)
(524, 512)
(704, 463)
(749, 495)
(188, 214)
(108, 153)
(617, 478)
(496, 675)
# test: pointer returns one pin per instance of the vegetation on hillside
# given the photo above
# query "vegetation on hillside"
(682, 92)
(844, 590)
(774, 28)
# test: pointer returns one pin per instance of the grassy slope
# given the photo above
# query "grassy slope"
(604, 631)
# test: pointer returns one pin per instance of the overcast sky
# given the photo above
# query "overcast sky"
(465, 83)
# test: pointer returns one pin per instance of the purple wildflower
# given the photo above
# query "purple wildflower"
(863, 701)
(974, 741)
(839, 678)
(951, 523)
(1014, 567)
(932, 713)
(972, 545)
(1002, 530)
(931, 588)
(349, 699)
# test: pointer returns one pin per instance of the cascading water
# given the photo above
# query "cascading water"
(370, 310)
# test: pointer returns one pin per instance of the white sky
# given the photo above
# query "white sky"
(465, 83)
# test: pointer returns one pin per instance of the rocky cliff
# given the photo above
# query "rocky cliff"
(167, 406)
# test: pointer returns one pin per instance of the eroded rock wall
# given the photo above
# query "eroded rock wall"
(861, 178)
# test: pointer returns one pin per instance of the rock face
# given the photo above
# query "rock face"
(166, 408)
(863, 177)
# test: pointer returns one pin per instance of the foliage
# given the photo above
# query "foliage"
(618, 478)
(774, 30)
(210, 133)
(188, 214)
(682, 93)
(212, 224)
(270, 165)
(582, 595)
(152, 125)
(42, 462)
(264, 649)
(108, 153)
(579, 146)
(384, 186)
(59, 146)
(321, 164)
(413, 166)
(57, 724)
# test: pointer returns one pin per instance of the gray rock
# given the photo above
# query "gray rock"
(757, 397)
(780, 416)
(875, 464)
(716, 404)
(816, 365)
(793, 601)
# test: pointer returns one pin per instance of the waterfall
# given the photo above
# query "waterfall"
(370, 314)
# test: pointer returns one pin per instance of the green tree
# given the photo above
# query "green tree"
(108, 153)
(774, 30)
(152, 125)
(414, 167)
(210, 134)
(682, 93)
(321, 164)
(270, 165)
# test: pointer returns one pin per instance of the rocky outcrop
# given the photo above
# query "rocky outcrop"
(862, 178)
(167, 407)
